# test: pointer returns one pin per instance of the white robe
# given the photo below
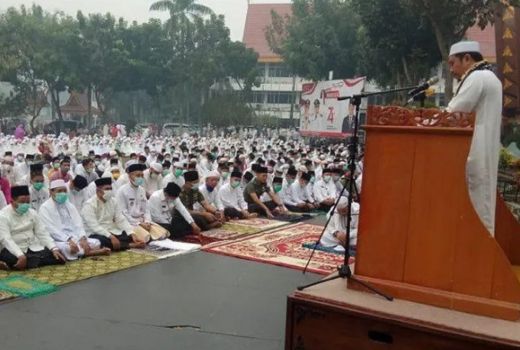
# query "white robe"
(339, 223)
(482, 93)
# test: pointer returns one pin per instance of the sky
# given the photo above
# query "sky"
(138, 10)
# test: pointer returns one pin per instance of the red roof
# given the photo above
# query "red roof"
(487, 41)
(257, 20)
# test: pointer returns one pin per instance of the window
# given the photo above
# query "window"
(279, 71)
(256, 97)
(280, 97)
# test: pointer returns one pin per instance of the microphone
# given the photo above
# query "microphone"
(421, 95)
(344, 98)
(425, 86)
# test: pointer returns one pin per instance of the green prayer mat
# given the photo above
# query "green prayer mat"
(78, 270)
(25, 287)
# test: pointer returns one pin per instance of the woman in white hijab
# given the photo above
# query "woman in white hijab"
(335, 235)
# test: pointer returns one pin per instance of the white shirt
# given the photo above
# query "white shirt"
(133, 203)
(300, 194)
(482, 93)
(286, 194)
(210, 197)
(91, 177)
(152, 183)
(38, 197)
(20, 172)
(232, 197)
(179, 181)
(104, 218)
(324, 190)
(161, 211)
(19, 233)
(3, 202)
(78, 198)
(339, 223)
(62, 221)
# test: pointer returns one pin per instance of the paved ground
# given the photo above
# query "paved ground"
(197, 301)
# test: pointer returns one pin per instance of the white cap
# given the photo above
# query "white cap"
(57, 184)
(213, 173)
(465, 46)
(178, 165)
(157, 167)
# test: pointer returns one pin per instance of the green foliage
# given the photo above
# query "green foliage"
(506, 159)
(226, 110)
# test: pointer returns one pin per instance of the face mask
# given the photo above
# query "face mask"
(116, 175)
(107, 195)
(61, 197)
(326, 178)
(335, 178)
(277, 188)
(139, 181)
(38, 186)
(209, 188)
(225, 175)
(165, 173)
(97, 162)
(154, 175)
(20, 158)
(178, 172)
(88, 170)
(235, 184)
(290, 181)
(312, 179)
(23, 208)
(56, 165)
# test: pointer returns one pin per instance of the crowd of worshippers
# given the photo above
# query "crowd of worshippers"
(62, 208)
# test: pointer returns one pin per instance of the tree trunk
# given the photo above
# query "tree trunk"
(55, 97)
(89, 107)
(406, 71)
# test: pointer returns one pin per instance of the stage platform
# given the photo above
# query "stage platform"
(196, 301)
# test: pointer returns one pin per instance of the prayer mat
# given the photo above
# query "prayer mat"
(6, 296)
(78, 270)
(167, 249)
(259, 224)
(283, 247)
(319, 247)
(25, 287)
(228, 231)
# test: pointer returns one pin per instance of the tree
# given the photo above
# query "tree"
(451, 19)
(319, 37)
(397, 46)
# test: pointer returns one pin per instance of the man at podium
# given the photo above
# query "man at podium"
(479, 91)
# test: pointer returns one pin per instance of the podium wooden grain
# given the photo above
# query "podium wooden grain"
(420, 237)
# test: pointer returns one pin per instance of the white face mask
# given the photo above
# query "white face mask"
(107, 195)
(326, 178)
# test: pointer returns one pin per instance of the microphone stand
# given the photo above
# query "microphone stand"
(344, 270)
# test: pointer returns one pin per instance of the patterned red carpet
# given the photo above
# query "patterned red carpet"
(283, 247)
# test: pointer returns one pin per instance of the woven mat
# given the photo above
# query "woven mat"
(25, 287)
(283, 247)
(83, 269)
(237, 229)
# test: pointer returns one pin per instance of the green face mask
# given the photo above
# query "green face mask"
(290, 181)
(38, 186)
(178, 172)
(277, 188)
(225, 175)
(23, 208)
(165, 172)
(56, 165)
(235, 184)
(61, 197)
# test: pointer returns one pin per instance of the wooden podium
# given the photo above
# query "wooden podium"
(420, 237)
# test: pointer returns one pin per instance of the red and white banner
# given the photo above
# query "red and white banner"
(321, 114)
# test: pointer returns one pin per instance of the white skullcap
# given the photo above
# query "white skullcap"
(114, 168)
(213, 173)
(303, 168)
(157, 167)
(130, 162)
(178, 165)
(57, 184)
(465, 46)
(113, 153)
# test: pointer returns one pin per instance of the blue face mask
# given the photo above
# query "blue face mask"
(23, 208)
(209, 188)
(139, 181)
(61, 197)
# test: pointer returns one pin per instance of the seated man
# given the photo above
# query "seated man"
(254, 191)
(168, 211)
(206, 218)
(299, 198)
(232, 198)
(176, 175)
(63, 172)
(24, 242)
(77, 192)
(325, 192)
(153, 179)
(132, 201)
(105, 222)
(63, 222)
(210, 189)
(38, 191)
(335, 235)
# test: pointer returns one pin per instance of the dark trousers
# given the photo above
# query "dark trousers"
(255, 208)
(34, 259)
(325, 207)
(124, 240)
(179, 227)
(296, 209)
(201, 221)
(233, 213)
